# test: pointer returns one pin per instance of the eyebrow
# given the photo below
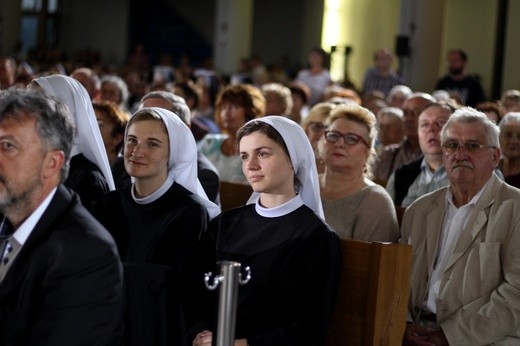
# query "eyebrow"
(259, 148)
(148, 139)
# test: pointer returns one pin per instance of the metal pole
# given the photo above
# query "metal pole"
(229, 279)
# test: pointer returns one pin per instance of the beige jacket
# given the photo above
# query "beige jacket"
(479, 296)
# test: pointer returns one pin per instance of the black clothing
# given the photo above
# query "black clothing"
(206, 173)
(295, 261)
(160, 246)
(404, 177)
(469, 89)
(65, 286)
(86, 179)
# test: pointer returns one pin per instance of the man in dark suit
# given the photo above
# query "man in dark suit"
(61, 280)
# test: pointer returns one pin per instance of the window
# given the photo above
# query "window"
(39, 23)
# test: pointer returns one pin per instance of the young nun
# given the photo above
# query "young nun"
(157, 223)
(280, 234)
(89, 174)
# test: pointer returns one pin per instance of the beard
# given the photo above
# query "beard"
(15, 198)
(455, 70)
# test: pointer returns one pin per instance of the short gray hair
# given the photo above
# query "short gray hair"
(467, 115)
(178, 104)
(54, 121)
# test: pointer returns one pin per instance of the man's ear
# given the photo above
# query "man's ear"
(54, 160)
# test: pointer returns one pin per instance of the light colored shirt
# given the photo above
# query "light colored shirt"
(24, 231)
(453, 225)
(427, 181)
(229, 167)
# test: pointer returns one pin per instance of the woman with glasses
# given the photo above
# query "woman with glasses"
(314, 125)
(354, 206)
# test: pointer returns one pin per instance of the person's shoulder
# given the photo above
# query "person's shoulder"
(76, 224)
(211, 141)
(425, 202)
(389, 151)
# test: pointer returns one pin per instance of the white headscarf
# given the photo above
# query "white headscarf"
(302, 158)
(88, 140)
(182, 161)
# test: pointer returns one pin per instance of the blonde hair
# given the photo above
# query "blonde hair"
(363, 116)
(357, 114)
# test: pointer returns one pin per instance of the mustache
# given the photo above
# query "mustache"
(463, 163)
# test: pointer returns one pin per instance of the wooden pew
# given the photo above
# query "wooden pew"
(372, 297)
(233, 194)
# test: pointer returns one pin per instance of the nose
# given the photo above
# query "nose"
(137, 150)
(251, 164)
(461, 153)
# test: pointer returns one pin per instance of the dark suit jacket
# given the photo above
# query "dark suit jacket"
(65, 287)
(206, 172)
(86, 179)
(404, 177)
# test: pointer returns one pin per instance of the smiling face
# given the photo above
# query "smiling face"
(266, 165)
(146, 151)
(339, 155)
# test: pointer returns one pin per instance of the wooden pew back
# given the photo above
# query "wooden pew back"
(233, 194)
(372, 297)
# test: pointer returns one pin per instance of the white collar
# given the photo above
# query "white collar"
(281, 210)
(24, 231)
(154, 195)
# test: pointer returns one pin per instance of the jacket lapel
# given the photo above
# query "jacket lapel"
(40, 233)
(477, 219)
(434, 220)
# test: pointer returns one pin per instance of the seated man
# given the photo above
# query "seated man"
(427, 173)
(408, 150)
(465, 280)
(61, 280)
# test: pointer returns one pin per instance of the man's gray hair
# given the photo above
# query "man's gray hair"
(54, 122)
(467, 115)
(178, 104)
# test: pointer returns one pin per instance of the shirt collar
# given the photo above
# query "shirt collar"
(281, 210)
(24, 231)
(449, 197)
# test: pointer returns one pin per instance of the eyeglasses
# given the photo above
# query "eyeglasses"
(317, 127)
(470, 147)
(349, 138)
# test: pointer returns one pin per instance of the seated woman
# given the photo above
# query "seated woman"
(293, 254)
(509, 163)
(89, 175)
(236, 105)
(354, 206)
(157, 223)
(112, 122)
(314, 125)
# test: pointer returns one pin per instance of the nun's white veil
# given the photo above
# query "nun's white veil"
(182, 161)
(302, 158)
(88, 140)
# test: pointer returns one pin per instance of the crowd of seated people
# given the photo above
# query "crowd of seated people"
(316, 153)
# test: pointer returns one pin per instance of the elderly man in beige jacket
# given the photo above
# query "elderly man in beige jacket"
(465, 281)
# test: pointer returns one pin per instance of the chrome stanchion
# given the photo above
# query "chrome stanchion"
(228, 279)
